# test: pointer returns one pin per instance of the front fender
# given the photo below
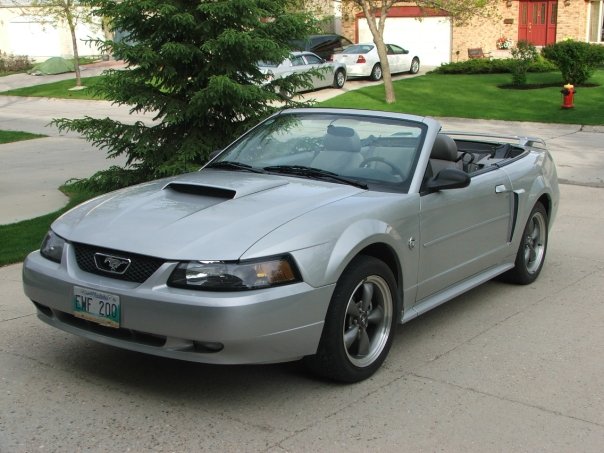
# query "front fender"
(354, 239)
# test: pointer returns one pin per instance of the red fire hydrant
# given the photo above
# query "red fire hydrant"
(568, 94)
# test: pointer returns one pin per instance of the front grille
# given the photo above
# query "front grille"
(140, 269)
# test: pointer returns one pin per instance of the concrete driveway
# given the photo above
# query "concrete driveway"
(502, 368)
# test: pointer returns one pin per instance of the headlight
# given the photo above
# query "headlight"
(52, 247)
(239, 276)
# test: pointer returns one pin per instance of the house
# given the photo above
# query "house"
(434, 36)
(24, 32)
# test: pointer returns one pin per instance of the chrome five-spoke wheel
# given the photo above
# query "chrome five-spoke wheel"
(534, 242)
(368, 321)
(533, 246)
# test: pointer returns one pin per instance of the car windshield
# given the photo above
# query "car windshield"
(358, 48)
(373, 152)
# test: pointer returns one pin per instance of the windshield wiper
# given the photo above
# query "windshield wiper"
(314, 173)
(232, 165)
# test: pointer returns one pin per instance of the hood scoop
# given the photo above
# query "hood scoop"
(201, 190)
(223, 185)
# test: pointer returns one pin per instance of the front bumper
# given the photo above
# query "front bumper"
(263, 326)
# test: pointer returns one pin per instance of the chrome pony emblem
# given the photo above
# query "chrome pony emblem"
(111, 264)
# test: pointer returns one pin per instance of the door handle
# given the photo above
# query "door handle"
(501, 188)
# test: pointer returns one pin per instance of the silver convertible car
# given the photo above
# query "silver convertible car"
(310, 237)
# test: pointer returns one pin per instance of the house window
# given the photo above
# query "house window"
(596, 22)
(524, 15)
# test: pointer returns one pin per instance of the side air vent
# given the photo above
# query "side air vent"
(194, 189)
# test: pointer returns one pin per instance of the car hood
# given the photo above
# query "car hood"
(207, 215)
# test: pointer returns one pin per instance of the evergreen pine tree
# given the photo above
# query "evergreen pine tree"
(194, 65)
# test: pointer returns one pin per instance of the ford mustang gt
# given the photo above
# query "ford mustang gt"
(310, 237)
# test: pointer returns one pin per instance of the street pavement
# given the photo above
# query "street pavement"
(502, 368)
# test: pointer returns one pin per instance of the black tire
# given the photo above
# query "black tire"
(376, 72)
(531, 252)
(414, 66)
(360, 323)
(339, 78)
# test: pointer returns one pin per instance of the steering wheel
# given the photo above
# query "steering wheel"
(395, 169)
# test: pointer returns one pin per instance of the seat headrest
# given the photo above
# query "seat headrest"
(444, 148)
(342, 139)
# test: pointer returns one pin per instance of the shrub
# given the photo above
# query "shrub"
(14, 63)
(476, 66)
(575, 60)
(496, 66)
(522, 56)
(542, 65)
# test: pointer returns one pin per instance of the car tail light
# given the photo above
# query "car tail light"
(361, 59)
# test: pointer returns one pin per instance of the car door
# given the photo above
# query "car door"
(464, 231)
(325, 76)
(403, 60)
(393, 59)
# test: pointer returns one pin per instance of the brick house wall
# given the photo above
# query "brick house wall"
(479, 32)
(572, 20)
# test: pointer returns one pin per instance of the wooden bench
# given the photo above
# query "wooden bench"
(476, 52)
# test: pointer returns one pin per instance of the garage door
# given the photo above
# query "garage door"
(33, 39)
(27, 36)
(429, 38)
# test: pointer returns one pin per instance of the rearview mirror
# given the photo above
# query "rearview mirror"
(449, 178)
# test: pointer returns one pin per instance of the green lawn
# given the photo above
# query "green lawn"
(16, 136)
(464, 96)
(478, 96)
(18, 239)
(58, 90)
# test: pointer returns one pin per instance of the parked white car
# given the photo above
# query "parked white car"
(362, 60)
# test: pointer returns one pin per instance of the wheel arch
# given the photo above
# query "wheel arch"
(546, 201)
(386, 254)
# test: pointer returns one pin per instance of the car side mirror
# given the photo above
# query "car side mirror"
(405, 51)
(449, 178)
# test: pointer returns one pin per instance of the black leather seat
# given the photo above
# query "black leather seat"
(444, 154)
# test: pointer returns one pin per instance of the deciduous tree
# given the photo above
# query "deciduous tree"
(376, 12)
(56, 12)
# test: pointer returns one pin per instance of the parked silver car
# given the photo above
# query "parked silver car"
(328, 74)
(311, 236)
(362, 60)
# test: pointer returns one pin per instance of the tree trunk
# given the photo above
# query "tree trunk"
(378, 39)
(387, 76)
(74, 43)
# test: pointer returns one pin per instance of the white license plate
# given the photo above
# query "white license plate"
(96, 306)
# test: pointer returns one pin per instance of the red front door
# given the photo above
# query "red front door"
(537, 21)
